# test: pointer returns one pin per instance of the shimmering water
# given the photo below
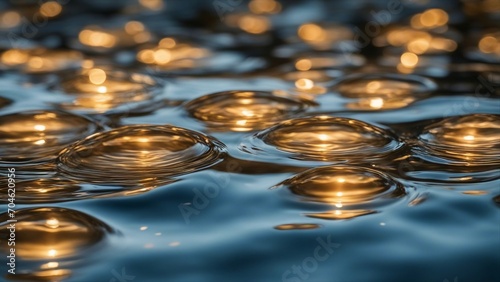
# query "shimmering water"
(228, 155)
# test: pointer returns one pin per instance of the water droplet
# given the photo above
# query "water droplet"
(50, 233)
(323, 138)
(472, 140)
(40, 135)
(345, 191)
(297, 226)
(92, 92)
(383, 91)
(144, 155)
(245, 110)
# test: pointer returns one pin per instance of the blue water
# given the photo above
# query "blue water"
(234, 170)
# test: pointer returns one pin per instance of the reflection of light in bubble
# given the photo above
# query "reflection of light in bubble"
(323, 138)
(245, 110)
(383, 91)
(99, 91)
(353, 191)
(48, 233)
(472, 140)
(40, 134)
(143, 155)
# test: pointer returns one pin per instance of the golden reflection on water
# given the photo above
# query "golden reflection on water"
(473, 139)
(97, 90)
(325, 138)
(374, 92)
(245, 110)
(41, 60)
(40, 134)
(348, 191)
(131, 34)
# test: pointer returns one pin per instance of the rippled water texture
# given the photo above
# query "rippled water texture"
(259, 140)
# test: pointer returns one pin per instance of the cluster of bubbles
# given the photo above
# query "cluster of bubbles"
(76, 146)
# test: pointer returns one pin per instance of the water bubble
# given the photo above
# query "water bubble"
(104, 91)
(245, 110)
(144, 155)
(472, 140)
(383, 91)
(323, 138)
(50, 233)
(40, 135)
(349, 191)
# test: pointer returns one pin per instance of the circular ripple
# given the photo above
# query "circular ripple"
(472, 140)
(49, 233)
(245, 110)
(143, 155)
(383, 91)
(354, 191)
(40, 135)
(324, 138)
(117, 92)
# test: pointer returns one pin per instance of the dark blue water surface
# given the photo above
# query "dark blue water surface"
(255, 151)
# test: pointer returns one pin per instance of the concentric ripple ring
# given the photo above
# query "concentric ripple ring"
(147, 155)
(242, 110)
(472, 140)
(352, 191)
(323, 138)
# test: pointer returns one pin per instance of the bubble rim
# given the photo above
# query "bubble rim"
(212, 145)
(257, 148)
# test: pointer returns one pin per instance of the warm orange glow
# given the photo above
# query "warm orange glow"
(254, 24)
(409, 60)
(152, 4)
(167, 42)
(431, 18)
(52, 223)
(96, 38)
(311, 32)
(304, 84)
(14, 57)
(10, 19)
(303, 65)
(418, 46)
(146, 56)
(134, 27)
(162, 56)
(97, 76)
(373, 86)
(264, 6)
(50, 9)
(489, 44)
